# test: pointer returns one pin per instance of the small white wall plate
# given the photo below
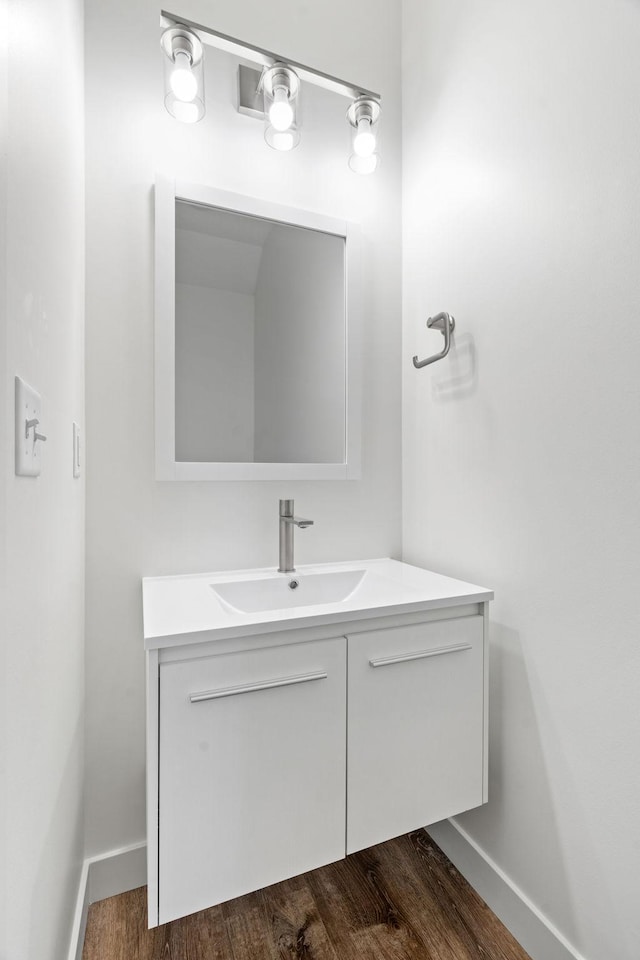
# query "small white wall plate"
(28, 449)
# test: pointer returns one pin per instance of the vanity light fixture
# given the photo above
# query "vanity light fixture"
(183, 74)
(363, 116)
(270, 93)
(281, 86)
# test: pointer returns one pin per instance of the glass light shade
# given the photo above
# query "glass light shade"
(185, 112)
(363, 165)
(282, 140)
(281, 87)
(363, 115)
(183, 80)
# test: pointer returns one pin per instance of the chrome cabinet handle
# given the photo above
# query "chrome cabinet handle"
(434, 652)
(253, 687)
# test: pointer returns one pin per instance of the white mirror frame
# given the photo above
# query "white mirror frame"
(167, 191)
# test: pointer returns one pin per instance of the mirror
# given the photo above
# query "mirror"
(260, 340)
(257, 373)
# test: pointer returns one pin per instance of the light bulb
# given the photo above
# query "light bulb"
(281, 114)
(363, 116)
(182, 80)
(364, 142)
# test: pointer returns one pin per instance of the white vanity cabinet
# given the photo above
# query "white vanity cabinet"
(278, 744)
(415, 727)
(252, 771)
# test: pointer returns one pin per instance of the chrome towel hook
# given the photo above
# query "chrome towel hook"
(446, 324)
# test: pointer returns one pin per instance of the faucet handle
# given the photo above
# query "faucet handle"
(286, 513)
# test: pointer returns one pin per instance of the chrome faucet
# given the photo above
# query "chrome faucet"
(287, 523)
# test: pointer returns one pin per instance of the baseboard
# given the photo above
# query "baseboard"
(105, 876)
(80, 915)
(531, 928)
(117, 871)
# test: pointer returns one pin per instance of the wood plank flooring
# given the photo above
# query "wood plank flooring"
(401, 900)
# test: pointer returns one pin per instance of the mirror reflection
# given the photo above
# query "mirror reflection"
(260, 340)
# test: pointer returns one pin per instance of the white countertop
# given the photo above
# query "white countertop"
(177, 607)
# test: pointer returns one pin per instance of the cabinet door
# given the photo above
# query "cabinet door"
(252, 771)
(415, 727)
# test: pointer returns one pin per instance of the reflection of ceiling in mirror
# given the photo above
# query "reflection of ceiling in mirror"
(228, 225)
(218, 248)
(223, 250)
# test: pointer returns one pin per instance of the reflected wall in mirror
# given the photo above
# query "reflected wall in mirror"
(260, 340)
(257, 371)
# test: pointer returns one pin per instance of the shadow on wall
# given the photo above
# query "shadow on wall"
(459, 378)
(515, 730)
(578, 833)
(53, 890)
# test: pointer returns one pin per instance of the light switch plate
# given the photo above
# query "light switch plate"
(76, 450)
(28, 449)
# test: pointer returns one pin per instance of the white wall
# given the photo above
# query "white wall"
(41, 520)
(4, 441)
(522, 451)
(300, 353)
(136, 526)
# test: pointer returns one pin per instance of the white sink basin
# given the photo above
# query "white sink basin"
(276, 593)
(238, 603)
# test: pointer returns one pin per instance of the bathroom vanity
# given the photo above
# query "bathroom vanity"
(294, 718)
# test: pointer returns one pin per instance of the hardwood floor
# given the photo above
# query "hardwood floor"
(401, 900)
